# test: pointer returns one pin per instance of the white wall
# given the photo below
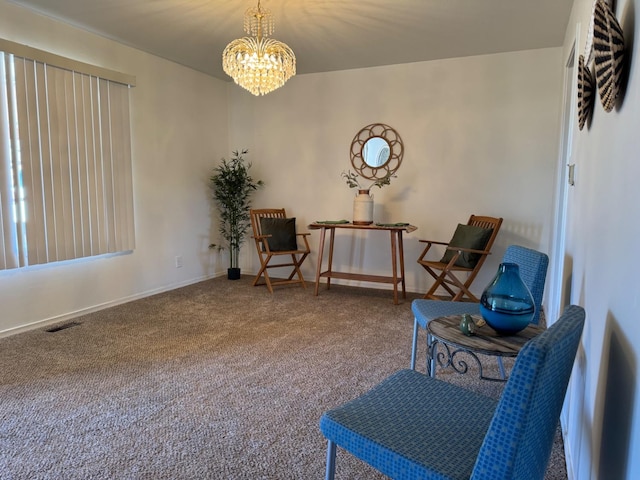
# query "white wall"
(179, 132)
(480, 136)
(603, 230)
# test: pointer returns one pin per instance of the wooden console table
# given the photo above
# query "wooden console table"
(397, 255)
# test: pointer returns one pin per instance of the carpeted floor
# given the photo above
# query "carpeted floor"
(217, 380)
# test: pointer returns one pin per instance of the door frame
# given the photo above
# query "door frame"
(557, 295)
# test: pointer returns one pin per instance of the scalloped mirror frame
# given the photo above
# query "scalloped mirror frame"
(373, 171)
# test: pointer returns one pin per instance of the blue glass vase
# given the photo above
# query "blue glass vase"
(506, 304)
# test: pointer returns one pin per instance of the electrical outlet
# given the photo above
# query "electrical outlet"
(178, 261)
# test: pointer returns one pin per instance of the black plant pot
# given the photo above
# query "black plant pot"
(233, 273)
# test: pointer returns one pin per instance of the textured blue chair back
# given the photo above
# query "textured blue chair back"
(520, 437)
(533, 271)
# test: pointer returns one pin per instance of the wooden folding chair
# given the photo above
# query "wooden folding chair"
(275, 236)
(464, 255)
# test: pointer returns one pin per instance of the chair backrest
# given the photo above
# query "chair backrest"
(533, 271)
(520, 437)
(485, 222)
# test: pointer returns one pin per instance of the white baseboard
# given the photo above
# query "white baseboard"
(95, 308)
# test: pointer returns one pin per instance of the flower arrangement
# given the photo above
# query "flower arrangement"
(353, 181)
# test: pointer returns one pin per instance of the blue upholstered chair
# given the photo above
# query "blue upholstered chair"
(533, 271)
(413, 426)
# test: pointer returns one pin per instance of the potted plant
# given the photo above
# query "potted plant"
(232, 187)
(363, 202)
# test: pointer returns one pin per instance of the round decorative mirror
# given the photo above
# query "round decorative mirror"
(376, 151)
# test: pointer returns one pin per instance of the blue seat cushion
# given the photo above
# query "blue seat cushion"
(440, 425)
(426, 310)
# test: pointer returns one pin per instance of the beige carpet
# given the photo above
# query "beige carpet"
(217, 380)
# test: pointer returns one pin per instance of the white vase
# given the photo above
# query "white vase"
(363, 208)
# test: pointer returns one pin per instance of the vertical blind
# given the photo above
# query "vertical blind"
(65, 166)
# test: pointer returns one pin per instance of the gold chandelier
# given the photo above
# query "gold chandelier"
(256, 63)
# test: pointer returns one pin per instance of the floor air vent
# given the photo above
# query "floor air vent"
(64, 326)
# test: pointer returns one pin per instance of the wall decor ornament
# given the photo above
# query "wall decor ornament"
(586, 87)
(608, 48)
(588, 48)
(376, 151)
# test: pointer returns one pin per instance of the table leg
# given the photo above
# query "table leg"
(394, 267)
(320, 254)
(401, 252)
(432, 353)
(332, 237)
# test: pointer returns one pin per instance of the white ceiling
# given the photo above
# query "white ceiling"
(325, 35)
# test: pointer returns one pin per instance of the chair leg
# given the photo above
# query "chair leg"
(259, 274)
(501, 367)
(440, 281)
(263, 273)
(296, 269)
(331, 461)
(414, 345)
(267, 280)
(463, 288)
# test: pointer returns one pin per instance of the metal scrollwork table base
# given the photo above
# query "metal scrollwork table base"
(445, 331)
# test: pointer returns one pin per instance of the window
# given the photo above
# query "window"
(65, 164)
